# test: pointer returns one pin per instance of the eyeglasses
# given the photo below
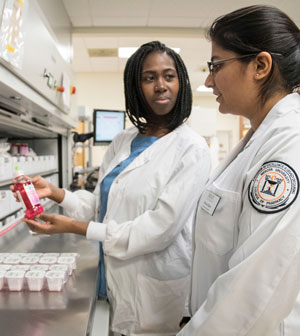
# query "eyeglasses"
(214, 66)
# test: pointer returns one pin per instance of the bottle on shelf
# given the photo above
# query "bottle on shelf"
(27, 195)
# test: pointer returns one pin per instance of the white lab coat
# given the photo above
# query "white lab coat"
(246, 264)
(147, 243)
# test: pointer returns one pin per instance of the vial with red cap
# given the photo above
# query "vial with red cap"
(27, 195)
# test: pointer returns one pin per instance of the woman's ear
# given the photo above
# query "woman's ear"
(263, 65)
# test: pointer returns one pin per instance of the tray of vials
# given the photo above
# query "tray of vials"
(36, 271)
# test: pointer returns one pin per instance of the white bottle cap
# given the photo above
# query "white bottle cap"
(18, 172)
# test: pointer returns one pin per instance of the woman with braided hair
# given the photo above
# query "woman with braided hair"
(149, 183)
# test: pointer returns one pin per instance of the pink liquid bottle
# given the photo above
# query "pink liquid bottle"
(27, 195)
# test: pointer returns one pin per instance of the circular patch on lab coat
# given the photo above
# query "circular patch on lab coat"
(274, 187)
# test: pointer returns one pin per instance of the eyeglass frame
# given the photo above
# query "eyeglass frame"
(212, 64)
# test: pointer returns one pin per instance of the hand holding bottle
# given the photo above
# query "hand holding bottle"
(55, 223)
(26, 194)
(43, 189)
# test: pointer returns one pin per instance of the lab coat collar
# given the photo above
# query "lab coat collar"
(289, 102)
(283, 106)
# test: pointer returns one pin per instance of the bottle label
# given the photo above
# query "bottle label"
(21, 200)
(32, 195)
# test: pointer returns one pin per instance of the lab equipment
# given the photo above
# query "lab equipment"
(107, 124)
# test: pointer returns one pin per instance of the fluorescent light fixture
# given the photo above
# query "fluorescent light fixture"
(127, 52)
(203, 88)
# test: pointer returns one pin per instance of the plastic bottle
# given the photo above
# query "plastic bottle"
(27, 195)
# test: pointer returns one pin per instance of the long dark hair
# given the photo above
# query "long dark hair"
(137, 109)
(253, 29)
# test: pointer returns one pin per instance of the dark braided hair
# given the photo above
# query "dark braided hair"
(137, 109)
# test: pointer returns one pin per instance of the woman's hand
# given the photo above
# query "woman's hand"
(56, 224)
(44, 189)
(41, 186)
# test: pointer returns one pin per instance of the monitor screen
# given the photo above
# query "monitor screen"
(107, 124)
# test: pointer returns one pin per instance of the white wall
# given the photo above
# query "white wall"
(226, 122)
(105, 90)
(100, 90)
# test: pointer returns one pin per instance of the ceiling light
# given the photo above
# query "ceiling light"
(203, 88)
(127, 52)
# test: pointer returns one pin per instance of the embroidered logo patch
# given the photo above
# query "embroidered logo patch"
(274, 187)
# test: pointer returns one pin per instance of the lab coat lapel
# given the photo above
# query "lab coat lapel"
(139, 161)
(124, 153)
(160, 145)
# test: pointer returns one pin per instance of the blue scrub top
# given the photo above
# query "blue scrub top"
(138, 145)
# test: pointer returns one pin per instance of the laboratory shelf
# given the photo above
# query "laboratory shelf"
(42, 173)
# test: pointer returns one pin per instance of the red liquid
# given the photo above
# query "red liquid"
(30, 200)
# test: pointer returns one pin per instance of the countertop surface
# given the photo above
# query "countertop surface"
(45, 313)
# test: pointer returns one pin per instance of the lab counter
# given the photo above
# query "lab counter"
(44, 313)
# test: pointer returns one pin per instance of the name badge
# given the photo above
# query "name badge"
(209, 202)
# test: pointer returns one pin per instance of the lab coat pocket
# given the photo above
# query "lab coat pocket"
(217, 222)
(160, 304)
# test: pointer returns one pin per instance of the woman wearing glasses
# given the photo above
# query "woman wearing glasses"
(246, 264)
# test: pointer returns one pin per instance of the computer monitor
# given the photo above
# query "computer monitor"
(107, 124)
